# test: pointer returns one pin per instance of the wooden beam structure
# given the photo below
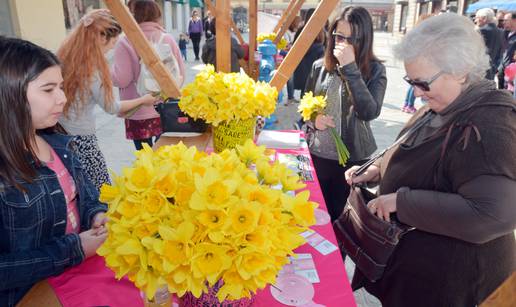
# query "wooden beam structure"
(253, 29)
(283, 16)
(504, 295)
(290, 17)
(223, 35)
(303, 42)
(144, 49)
(239, 36)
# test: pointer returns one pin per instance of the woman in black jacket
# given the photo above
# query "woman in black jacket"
(354, 82)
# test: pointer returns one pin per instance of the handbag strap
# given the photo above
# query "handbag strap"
(423, 120)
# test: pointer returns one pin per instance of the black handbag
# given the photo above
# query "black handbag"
(366, 239)
(173, 120)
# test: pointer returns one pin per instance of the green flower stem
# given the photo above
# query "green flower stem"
(342, 151)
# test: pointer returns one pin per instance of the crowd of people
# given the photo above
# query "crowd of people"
(453, 178)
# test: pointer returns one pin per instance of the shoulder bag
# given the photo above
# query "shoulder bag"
(366, 239)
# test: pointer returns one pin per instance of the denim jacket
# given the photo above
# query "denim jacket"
(33, 243)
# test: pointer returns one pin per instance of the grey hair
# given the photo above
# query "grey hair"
(450, 42)
(487, 13)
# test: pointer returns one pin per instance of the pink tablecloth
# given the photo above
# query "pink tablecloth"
(93, 284)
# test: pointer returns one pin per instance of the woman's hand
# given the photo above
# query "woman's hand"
(98, 222)
(383, 206)
(345, 53)
(91, 240)
(372, 174)
(322, 122)
(149, 100)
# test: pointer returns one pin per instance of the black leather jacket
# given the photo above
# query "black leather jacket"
(367, 99)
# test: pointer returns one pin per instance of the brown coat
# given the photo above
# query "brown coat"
(464, 246)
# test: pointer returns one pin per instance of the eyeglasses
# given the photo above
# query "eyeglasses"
(339, 38)
(424, 85)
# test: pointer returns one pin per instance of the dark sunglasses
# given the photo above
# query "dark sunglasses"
(424, 85)
(339, 38)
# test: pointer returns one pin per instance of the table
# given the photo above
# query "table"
(332, 290)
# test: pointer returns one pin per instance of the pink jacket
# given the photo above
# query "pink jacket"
(126, 68)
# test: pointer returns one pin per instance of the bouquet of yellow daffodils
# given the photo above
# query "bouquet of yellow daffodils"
(185, 219)
(309, 107)
(282, 44)
(217, 97)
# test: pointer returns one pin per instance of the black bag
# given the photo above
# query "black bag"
(174, 120)
(366, 239)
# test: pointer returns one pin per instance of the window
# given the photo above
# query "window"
(436, 6)
(75, 9)
(423, 8)
(6, 25)
(403, 18)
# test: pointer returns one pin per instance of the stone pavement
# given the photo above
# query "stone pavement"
(119, 151)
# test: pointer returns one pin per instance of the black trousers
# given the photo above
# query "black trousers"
(196, 40)
(139, 143)
(333, 183)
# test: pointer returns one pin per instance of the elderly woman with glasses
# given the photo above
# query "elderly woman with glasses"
(454, 179)
(354, 82)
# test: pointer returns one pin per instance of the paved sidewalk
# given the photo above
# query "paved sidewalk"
(119, 151)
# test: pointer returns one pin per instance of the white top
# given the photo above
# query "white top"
(83, 122)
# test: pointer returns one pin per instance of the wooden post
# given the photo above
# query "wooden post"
(303, 42)
(142, 46)
(284, 16)
(239, 36)
(223, 36)
(288, 21)
(253, 28)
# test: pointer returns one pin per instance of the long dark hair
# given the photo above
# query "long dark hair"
(20, 63)
(362, 33)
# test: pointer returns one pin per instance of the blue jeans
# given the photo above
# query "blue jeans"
(183, 53)
(410, 98)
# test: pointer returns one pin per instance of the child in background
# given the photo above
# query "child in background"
(509, 76)
(52, 219)
(183, 41)
(408, 107)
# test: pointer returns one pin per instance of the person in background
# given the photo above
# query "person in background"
(499, 18)
(315, 52)
(510, 76)
(209, 50)
(453, 180)
(144, 126)
(208, 20)
(52, 219)
(508, 54)
(408, 106)
(183, 41)
(354, 82)
(493, 38)
(87, 83)
(130, 5)
(195, 29)
(289, 36)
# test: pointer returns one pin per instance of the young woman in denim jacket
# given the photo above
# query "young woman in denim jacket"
(48, 222)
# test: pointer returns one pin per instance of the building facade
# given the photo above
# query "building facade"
(42, 22)
(382, 11)
(407, 12)
(46, 22)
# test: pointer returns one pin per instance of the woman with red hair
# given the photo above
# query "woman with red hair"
(87, 83)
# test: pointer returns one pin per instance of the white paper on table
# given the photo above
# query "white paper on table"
(280, 140)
